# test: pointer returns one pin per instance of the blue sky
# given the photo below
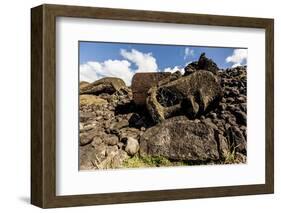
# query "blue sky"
(101, 59)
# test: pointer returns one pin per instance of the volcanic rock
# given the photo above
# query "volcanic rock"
(132, 146)
(105, 85)
(191, 95)
(179, 138)
(204, 119)
(236, 139)
(142, 82)
(91, 100)
(203, 63)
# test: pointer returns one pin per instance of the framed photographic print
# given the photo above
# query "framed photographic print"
(137, 106)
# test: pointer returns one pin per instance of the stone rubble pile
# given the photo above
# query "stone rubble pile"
(199, 117)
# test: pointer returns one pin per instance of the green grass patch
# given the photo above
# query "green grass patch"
(149, 161)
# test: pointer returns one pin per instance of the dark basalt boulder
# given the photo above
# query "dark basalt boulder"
(236, 139)
(203, 119)
(191, 95)
(179, 138)
(191, 68)
(203, 63)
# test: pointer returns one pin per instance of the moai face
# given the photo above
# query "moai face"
(191, 95)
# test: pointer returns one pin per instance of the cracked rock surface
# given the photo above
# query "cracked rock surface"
(192, 119)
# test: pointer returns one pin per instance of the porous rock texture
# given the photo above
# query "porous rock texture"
(179, 138)
(105, 85)
(207, 126)
(191, 95)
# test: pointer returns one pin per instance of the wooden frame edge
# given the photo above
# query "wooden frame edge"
(36, 106)
(43, 105)
(269, 108)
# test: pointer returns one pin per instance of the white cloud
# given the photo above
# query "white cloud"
(188, 52)
(144, 61)
(174, 69)
(88, 73)
(92, 70)
(238, 58)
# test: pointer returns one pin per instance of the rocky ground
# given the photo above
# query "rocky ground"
(200, 118)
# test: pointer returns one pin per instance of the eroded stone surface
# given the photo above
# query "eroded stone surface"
(106, 127)
(179, 138)
(104, 85)
(191, 95)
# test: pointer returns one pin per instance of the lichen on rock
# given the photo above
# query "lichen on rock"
(176, 120)
(191, 95)
(104, 85)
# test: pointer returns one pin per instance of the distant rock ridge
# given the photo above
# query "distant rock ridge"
(203, 63)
